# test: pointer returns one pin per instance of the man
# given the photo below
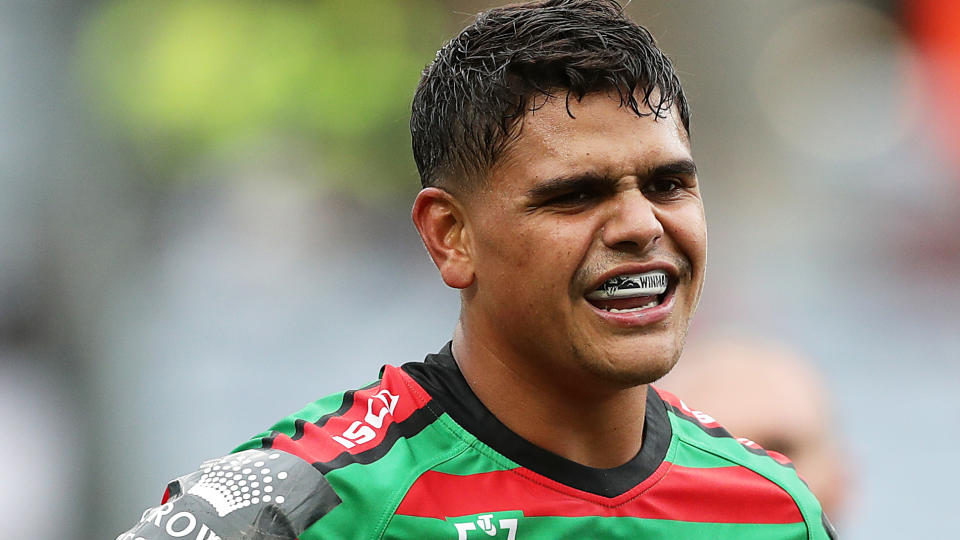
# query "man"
(561, 198)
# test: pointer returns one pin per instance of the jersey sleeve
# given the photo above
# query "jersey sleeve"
(250, 495)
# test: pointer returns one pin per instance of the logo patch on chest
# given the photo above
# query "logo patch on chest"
(492, 525)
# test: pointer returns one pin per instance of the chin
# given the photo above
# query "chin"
(634, 367)
(649, 373)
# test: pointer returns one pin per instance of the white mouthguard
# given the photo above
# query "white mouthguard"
(632, 285)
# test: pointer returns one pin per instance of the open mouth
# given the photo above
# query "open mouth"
(627, 293)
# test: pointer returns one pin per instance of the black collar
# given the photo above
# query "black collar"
(440, 376)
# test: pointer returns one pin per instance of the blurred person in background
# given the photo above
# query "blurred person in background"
(561, 198)
(773, 395)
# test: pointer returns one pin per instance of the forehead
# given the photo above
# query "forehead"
(595, 133)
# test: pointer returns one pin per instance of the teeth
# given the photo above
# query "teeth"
(652, 303)
(631, 285)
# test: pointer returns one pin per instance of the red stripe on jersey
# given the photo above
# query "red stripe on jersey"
(724, 495)
(778, 457)
(719, 495)
(364, 425)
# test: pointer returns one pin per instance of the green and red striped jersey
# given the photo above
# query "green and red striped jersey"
(416, 455)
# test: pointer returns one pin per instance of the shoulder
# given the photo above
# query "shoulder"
(336, 464)
(739, 470)
(356, 426)
(250, 494)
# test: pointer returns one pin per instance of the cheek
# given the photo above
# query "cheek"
(505, 273)
(525, 245)
(530, 261)
(687, 227)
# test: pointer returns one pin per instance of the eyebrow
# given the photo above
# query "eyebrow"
(681, 167)
(596, 181)
(564, 184)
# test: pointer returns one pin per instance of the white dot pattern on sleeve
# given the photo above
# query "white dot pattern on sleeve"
(222, 483)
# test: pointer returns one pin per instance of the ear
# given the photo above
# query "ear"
(440, 220)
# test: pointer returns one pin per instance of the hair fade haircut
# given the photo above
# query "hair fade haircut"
(471, 100)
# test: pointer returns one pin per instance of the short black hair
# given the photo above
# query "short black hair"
(472, 98)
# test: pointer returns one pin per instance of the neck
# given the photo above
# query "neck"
(601, 429)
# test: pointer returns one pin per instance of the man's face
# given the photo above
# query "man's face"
(578, 207)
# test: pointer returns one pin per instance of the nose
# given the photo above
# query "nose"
(633, 224)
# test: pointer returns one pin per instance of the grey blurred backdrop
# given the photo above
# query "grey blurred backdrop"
(204, 225)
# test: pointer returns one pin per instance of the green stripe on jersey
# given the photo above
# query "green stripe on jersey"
(608, 528)
(727, 447)
(481, 459)
(472, 463)
(691, 456)
(311, 413)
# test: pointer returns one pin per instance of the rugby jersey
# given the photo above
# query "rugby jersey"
(416, 455)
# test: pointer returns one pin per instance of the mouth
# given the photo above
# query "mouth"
(632, 292)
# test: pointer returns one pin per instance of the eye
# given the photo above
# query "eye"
(571, 198)
(665, 185)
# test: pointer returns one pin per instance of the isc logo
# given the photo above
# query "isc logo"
(360, 432)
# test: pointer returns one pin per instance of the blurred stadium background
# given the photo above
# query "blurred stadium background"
(204, 225)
